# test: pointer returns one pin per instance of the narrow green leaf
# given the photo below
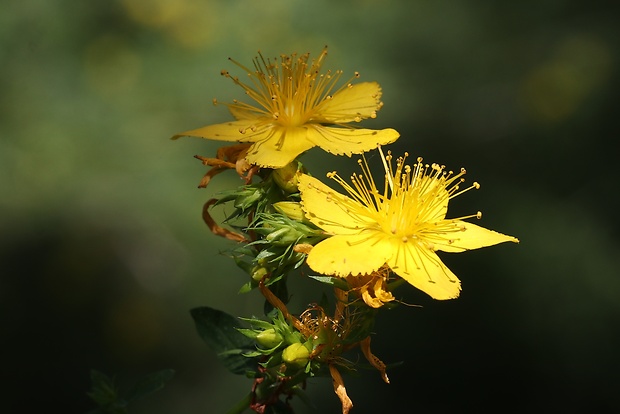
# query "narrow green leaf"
(334, 281)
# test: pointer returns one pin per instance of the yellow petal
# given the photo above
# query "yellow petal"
(327, 208)
(381, 293)
(423, 269)
(470, 236)
(279, 147)
(348, 255)
(344, 141)
(353, 103)
(243, 113)
(435, 199)
(371, 301)
(229, 131)
(374, 293)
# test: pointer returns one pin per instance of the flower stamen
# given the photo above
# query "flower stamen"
(296, 107)
(402, 227)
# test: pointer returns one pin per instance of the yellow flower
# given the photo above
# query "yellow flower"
(403, 226)
(296, 108)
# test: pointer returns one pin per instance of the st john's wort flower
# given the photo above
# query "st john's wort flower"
(403, 226)
(296, 107)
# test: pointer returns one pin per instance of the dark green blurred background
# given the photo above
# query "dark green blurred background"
(103, 250)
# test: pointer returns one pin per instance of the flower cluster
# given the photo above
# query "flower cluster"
(362, 242)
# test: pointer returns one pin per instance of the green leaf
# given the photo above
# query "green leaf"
(333, 281)
(103, 390)
(105, 394)
(150, 384)
(219, 331)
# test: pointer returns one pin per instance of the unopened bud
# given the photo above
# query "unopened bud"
(287, 177)
(296, 355)
(284, 236)
(290, 209)
(269, 338)
(258, 273)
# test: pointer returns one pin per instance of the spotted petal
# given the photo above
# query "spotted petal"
(352, 103)
(349, 255)
(345, 141)
(228, 131)
(423, 269)
(328, 209)
(470, 236)
(278, 147)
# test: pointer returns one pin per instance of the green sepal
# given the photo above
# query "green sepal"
(248, 287)
(293, 337)
(273, 361)
(253, 354)
(220, 331)
(251, 198)
(258, 323)
(336, 282)
(250, 333)
(244, 265)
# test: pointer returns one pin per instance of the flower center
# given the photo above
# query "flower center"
(414, 202)
(287, 91)
(291, 116)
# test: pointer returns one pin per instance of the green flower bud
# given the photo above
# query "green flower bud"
(259, 272)
(296, 355)
(247, 197)
(269, 338)
(293, 337)
(284, 236)
(290, 209)
(287, 177)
